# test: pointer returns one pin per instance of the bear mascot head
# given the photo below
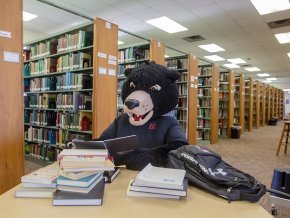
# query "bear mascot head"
(149, 92)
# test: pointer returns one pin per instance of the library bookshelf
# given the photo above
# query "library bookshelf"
(226, 99)
(249, 104)
(208, 103)
(239, 101)
(65, 87)
(256, 105)
(262, 104)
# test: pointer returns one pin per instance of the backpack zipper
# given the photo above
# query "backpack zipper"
(229, 193)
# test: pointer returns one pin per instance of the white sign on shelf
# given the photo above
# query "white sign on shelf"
(192, 85)
(11, 57)
(192, 78)
(112, 57)
(112, 62)
(112, 72)
(102, 55)
(108, 25)
(102, 70)
(5, 34)
(159, 44)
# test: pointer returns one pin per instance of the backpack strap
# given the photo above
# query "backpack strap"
(253, 197)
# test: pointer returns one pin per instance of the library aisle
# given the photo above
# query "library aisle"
(253, 153)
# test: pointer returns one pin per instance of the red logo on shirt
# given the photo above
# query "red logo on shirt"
(152, 126)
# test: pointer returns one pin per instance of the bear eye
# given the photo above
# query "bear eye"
(156, 87)
(132, 85)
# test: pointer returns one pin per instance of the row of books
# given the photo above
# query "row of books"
(176, 64)
(204, 102)
(204, 81)
(182, 102)
(43, 118)
(133, 54)
(40, 67)
(72, 41)
(52, 136)
(203, 123)
(203, 134)
(181, 115)
(41, 151)
(74, 101)
(223, 105)
(182, 89)
(74, 61)
(204, 71)
(224, 77)
(203, 112)
(204, 92)
(224, 87)
(41, 49)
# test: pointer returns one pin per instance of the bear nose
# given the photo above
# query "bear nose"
(131, 103)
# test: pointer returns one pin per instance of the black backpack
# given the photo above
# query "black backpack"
(206, 169)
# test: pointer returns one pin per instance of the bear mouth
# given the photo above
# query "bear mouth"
(138, 117)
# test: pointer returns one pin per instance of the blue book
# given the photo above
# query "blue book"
(83, 182)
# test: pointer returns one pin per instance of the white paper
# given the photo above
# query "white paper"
(159, 44)
(192, 78)
(108, 25)
(192, 85)
(102, 70)
(112, 57)
(11, 57)
(112, 62)
(5, 34)
(112, 72)
(102, 55)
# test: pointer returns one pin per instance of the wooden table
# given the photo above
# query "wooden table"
(198, 204)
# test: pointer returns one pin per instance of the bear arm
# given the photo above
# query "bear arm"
(110, 132)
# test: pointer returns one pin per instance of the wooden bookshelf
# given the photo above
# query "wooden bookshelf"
(67, 97)
(208, 97)
(249, 104)
(276, 103)
(262, 105)
(157, 51)
(11, 81)
(281, 105)
(272, 96)
(268, 103)
(226, 99)
(239, 101)
(256, 105)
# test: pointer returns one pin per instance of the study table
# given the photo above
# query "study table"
(116, 204)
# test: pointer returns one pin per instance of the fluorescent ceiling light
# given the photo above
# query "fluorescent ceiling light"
(288, 55)
(286, 90)
(283, 37)
(211, 47)
(270, 6)
(263, 74)
(120, 42)
(271, 78)
(231, 65)
(252, 69)
(167, 25)
(236, 61)
(28, 16)
(166, 56)
(214, 58)
(267, 81)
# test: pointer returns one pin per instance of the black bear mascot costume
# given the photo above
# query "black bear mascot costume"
(148, 93)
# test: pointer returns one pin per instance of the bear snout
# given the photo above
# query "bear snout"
(131, 103)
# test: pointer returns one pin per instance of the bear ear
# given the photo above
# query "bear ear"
(172, 75)
(128, 71)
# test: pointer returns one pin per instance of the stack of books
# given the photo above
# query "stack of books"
(81, 179)
(39, 184)
(159, 182)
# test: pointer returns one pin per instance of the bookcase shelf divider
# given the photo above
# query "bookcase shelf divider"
(231, 102)
(157, 52)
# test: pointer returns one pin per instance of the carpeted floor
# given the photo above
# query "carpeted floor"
(253, 153)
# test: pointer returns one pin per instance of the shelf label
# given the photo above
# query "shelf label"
(192, 78)
(112, 57)
(112, 72)
(5, 34)
(102, 70)
(158, 44)
(112, 62)
(108, 25)
(11, 57)
(102, 55)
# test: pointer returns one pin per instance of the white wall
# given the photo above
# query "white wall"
(29, 35)
(287, 106)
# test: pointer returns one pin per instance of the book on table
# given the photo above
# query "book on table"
(166, 191)
(159, 177)
(80, 189)
(38, 185)
(107, 166)
(111, 175)
(71, 161)
(83, 153)
(45, 175)
(94, 197)
(76, 175)
(83, 182)
(27, 192)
